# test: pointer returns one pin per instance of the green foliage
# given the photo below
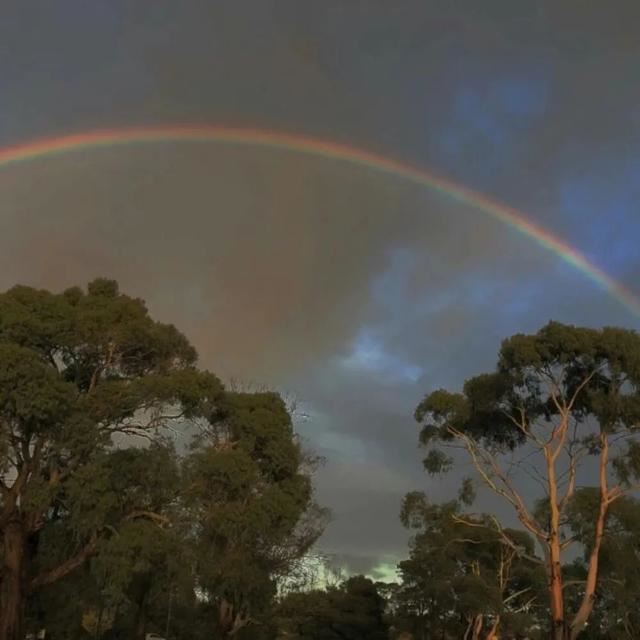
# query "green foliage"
(460, 567)
(529, 368)
(251, 491)
(114, 525)
(436, 462)
(559, 396)
(467, 492)
(352, 611)
(77, 370)
(616, 615)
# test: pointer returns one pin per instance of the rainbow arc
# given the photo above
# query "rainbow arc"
(511, 217)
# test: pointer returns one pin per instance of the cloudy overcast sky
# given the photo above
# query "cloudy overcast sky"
(353, 291)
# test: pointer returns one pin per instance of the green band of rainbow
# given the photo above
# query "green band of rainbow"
(46, 147)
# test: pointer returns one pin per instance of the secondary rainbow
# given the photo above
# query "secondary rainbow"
(515, 219)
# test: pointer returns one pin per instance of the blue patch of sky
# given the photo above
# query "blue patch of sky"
(368, 353)
(90, 14)
(496, 301)
(487, 120)
(601, 210)
(525, 96)
(390, 287)
(392, 292)
(381, 347)
(474, 289)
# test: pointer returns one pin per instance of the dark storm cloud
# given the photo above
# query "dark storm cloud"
(355, 292)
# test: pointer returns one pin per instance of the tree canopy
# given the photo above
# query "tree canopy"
(462, 578)
(138, 494)
(563, 398)
(353, 610)
(93, 493)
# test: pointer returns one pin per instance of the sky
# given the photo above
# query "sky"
(353, 292)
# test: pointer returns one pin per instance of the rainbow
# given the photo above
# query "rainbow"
(518, 221)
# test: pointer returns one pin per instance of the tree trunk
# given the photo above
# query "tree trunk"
(141, 614)
(12, 583)
(474, 628)
(588, 600)
(477, 627)
(493, 632)
(556, 600)
(559, 628)
(560, 632)
(229, 621)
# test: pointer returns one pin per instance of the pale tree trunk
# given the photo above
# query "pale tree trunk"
(588, 600)
(559, 627)
(477, 628)
(498, 481)
(556, 599)
(12, 584)
(230, 621)
(474, 629)
(493, 632)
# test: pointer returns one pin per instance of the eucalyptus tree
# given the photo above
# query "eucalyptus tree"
(250, 499)
(82, 373)
(567, 399)
(615, 614)
(351, 610)
(462, 578)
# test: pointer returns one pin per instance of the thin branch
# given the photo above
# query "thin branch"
(516, 594)
(503, 535)
(149, 515)
(522, 425)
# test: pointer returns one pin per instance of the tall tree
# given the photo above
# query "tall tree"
(563, 395)
(250, 500)
(80, 372)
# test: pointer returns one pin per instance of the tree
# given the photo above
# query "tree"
(353, 610)
(81, 375)
(561, 397)
(615, 614)
(461, 577)
(135, 567)
(250, 502)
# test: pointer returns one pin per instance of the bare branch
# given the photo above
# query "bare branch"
(53, 575)
(497, 528)
(149, 515)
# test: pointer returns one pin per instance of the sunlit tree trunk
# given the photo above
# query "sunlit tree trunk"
(588, 600)
(555, 554)
(493, 632)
